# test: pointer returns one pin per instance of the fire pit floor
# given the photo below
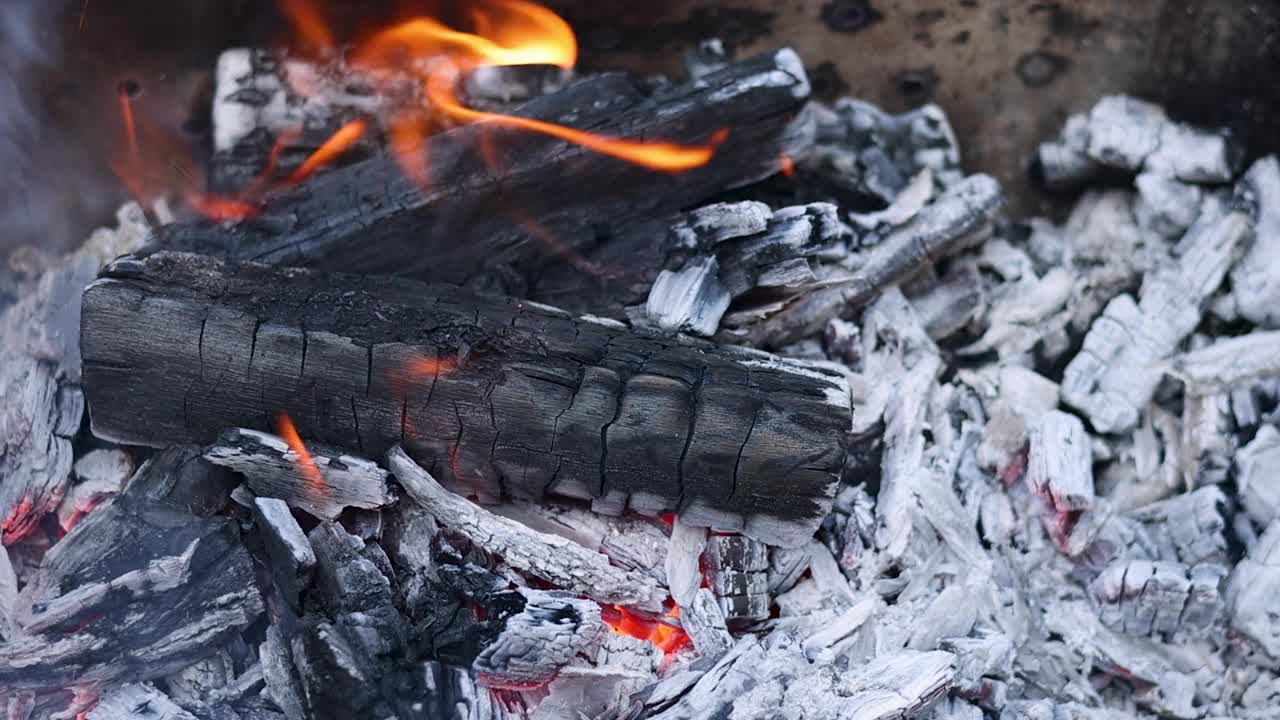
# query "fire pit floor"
(472, 387)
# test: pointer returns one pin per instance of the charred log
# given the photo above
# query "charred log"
(496, 396)
(546, 197)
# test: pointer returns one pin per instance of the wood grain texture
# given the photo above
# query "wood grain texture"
(494, 396)
(544, 199)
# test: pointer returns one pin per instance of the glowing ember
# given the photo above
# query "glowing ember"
(668, 637)
(788, 166)
(21, 521)
(80, 512)
(306, 463)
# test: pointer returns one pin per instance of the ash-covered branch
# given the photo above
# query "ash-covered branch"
(550, 557)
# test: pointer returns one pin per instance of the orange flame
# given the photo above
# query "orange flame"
(504, 33)
(306, 463)
(653, 155)
(668, 637)
(508, 32)
(130, 130)
(511, 32)
(334, 147)
(788, 166)
(307, 19)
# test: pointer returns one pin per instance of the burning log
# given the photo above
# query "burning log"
(544, 190)
(550, 557)
(497, 396)
(320, 481)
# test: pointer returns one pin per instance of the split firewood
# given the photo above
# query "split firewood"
(950, 303)
(703, 618)
(537, 642)
(1158, 598)
(683, 563)
(497, 396)
(550, 557)
(180, 477)
(136, 590)
(259, 113)
(630, 542)
(98, 475)
(735, 567)
(1189, 528)
(1115, 374)
(278, 673)
(469, 234)
(323, 484)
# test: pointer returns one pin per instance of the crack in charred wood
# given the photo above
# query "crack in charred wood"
(695, 393)
(604, 438)
(200, 343)
(253, 346)
(575, 417)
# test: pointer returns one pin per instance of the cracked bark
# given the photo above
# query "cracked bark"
(452, 347)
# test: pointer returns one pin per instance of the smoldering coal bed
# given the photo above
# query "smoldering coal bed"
(462, 383)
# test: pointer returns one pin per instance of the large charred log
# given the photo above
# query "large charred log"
(494, 396)
(542, 199)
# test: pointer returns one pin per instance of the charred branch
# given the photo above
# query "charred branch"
(469, 233)
(496, 396)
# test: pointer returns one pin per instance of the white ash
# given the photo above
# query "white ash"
(1255, 468)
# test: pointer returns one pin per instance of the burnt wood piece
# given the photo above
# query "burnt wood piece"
(553, 558)
(138, 589)
(272, 469)
(493, 395)
(545, 198)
